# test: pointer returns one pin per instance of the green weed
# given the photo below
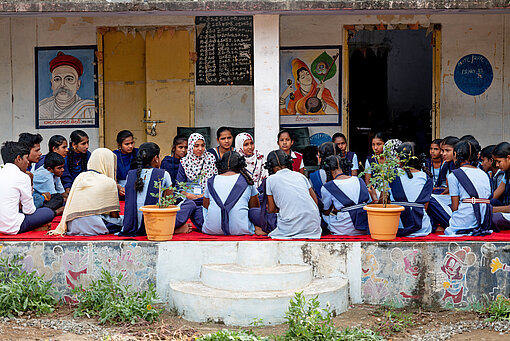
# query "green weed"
(393, 322)
(231, 335)
(113, 301)
(497, 310)
(22, 292)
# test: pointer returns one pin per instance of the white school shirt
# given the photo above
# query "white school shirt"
(299, 215)
(464, 217)
(15, 187)
(341, 223)
(239, 223)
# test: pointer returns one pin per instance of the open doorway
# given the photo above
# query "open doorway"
(390, 87)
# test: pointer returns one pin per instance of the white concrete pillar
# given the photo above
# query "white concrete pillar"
(266, 73)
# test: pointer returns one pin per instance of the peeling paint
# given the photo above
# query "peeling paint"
(56, 24)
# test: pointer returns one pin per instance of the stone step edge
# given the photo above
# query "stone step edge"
(316, 287)
(236, 268)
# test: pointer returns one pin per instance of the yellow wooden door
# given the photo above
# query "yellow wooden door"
(170, 83)
(148, 78)
(124, 86)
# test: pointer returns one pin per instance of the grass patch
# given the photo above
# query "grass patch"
(111, 300)
(228, 335)
(22, 292)
(497, 310)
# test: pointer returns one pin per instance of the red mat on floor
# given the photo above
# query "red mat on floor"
(197, 236)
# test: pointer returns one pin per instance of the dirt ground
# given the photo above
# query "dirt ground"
(172, 327)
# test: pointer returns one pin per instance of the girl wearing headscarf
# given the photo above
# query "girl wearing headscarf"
(92, 207)
(254, 159)
(196, 168)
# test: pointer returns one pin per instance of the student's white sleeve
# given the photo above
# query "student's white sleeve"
(27, 202)
(58, 186)
(253, 190)
(269, 183)
(354, 162)
(327, 199)
(453, 185)
(368, 169)
(302, 165)
(167, 180)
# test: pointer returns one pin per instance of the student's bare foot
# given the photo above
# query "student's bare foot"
(186, 228)
(59, 211)
(259, 231)
(440, 229)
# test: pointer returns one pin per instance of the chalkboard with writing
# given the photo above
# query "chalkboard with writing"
(224, 47)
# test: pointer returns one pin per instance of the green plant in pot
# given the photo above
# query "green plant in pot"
(160, 218)
(383, 218)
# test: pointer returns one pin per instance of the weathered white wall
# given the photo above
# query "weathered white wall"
(485, 116)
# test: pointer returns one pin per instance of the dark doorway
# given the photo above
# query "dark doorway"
(390, 87)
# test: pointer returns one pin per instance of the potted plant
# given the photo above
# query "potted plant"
(383, 218)
(160, 218)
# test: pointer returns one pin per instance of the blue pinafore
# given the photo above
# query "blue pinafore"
(412, 216)
(483, 223)
(358, 215)
(259, 215)
(232, 199)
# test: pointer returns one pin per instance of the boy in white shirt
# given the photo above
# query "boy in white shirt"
(17, 212)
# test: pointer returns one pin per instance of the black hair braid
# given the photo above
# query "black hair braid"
(139, 165)
(277, 158)
(422, 159)
(84, 162)
(408, 172)
(247, 176)
(465, 152)
(327, 149)
(334, 162)
(232, 161)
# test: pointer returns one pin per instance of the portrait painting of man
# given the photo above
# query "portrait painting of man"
(66, 88)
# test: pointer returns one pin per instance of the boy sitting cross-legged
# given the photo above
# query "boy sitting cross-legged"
(47, 185)
(17, 211)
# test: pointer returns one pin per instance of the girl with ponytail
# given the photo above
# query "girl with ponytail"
(470, 191)
(413, 191)
(290, 195)
(228, 198)
(140, 186)
(321, 176)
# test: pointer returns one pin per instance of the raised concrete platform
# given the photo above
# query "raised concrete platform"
(198, 302)
(438, 274)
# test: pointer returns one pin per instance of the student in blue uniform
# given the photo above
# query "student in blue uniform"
(140, 186)
(435, 161)
(378, 142)
(470, 192)
(290, 195)
(340, 140)
(488, 165)
(320, 177)
(77, 158)
(448, 166)
(225, 139)
(56, 144)
(412, 190)
(228, 198)
(172, 162)
(48, 188)
(126, 157)
(343, 198)
(196, 168)
(501, 209)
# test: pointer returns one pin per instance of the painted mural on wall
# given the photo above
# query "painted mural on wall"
(310, 85)
(456, 264)
(473, 74)
(66, 90)
(70, 265)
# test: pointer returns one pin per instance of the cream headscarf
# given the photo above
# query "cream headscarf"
(93, 192)
(254, 162)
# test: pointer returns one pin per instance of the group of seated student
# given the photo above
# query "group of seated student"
(232, 189)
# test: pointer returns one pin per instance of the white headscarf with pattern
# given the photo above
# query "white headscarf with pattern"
(254, 162)
(195, 165)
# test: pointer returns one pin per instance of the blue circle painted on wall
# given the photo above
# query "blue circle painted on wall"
(473, 74)
(319, 138)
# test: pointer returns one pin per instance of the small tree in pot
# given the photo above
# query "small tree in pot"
(383, 218)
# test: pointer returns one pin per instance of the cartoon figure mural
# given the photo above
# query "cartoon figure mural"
(496, 265)
(456, 263)
(375, 289)
(407, 266)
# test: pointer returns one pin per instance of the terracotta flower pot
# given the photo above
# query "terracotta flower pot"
(159, 222)
(383, 221)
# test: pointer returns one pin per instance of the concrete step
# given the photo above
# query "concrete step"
(240, 278)
(200, 303)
